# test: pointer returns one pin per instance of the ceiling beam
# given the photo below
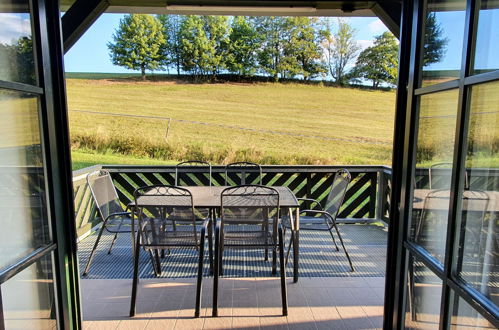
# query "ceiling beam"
(390, 14)
(80, 16)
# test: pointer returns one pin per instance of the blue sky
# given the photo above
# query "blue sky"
(90, 53)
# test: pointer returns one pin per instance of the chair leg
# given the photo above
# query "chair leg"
(112, 243)
(289, 247)
(135, 278)
(153, 262)
(199, 287)
(91, 257)
(282, 268)
(265, 229)
(215, 271)
(210, 248)
(158, 262)
(344, 248)
(332, 236)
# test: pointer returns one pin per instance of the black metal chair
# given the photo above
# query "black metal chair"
(241, 173)
(196, 167)
(114, 218)
(324, 219)
(244, 209)
(158, 207)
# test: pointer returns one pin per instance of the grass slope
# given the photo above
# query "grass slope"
(337, 125)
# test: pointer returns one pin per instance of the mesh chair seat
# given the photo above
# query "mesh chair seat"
(314, 223)
(157, 233)
(246, 238)
(120, 224)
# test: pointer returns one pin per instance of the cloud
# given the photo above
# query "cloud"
(14, 26)
(377, 27)
(364, 44)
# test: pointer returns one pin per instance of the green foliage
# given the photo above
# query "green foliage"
(270, 54)
(16, 61)
(340, 48)
(379, 63)
(434, 44)
(139, 43)
(204, 44)
(243, 44)
(171, 30)
(302, 51)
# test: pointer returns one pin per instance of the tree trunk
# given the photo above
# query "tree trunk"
(143, 72)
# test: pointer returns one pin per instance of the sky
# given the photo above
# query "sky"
(90, 53)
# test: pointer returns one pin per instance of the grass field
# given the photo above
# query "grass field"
(262, 122)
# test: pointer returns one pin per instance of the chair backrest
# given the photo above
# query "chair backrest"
(104, 193)
(160, 206)
(440, 175)
(243, 173)
(249, 204)
(192, 166)
(338, 190)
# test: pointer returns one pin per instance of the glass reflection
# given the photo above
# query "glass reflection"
(22, 189)
(28, 298)
(16, 46)
(424, 290)
(478, 262)
(434, 155)
(443, 40)
(487, 38)
(465, 317)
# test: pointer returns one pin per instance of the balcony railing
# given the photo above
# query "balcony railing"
(367, 198)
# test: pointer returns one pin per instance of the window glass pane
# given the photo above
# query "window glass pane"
(22, 190)
(28, 298)
(434, 156)
(16, 47)
(443, 40)
(478, 262)
(423, 294)
(465, 317)
(487, 38)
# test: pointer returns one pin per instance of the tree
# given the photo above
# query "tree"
(17, 62)
(272, 30)
(302, 52)
(379, 63)
(138, 43)
(171, 30)
(434, 44)
(244, 42)
(204, 44)
(340, 49)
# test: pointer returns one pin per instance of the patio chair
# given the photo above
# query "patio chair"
(192, 166)
(443, 171)
(241, 171)
(157, 207)
(243, 210)
(114, 218)
(237, 173)
(324, 219)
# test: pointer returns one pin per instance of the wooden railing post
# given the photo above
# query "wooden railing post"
(380, 204)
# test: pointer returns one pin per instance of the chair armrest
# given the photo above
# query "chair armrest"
(310, 200)
(118, 214)
(325, 213)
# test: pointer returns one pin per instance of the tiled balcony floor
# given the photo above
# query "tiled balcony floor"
(245, 303)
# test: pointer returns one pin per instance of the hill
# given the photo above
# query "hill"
(269, 123)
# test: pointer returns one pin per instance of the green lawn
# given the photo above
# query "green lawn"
(86, 158)
(269, 123)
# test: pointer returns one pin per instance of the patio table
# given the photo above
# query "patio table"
(210, 197)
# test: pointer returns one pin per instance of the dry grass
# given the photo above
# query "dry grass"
(341, 125)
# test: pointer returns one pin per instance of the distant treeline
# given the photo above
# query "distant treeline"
(280, 48)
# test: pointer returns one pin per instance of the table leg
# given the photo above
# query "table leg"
(296, 245)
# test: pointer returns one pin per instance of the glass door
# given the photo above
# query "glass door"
(34, 278)
(450, 274)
